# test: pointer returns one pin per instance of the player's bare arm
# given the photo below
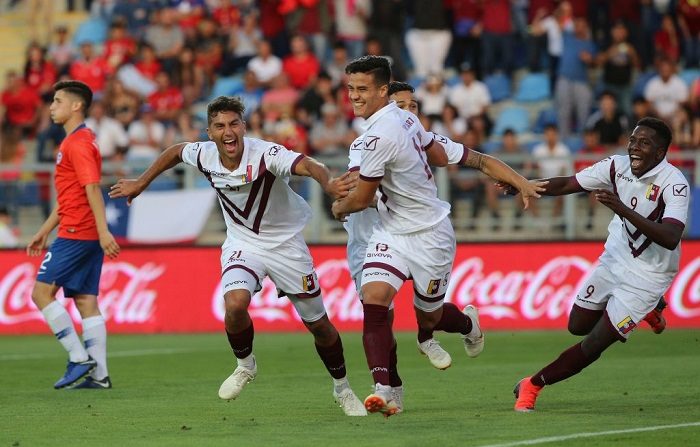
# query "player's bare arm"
(504, 174)
(334, 187)
(359, 198)
(666, 234)
(436, 155)
(97, 205)
(38, 242)
(131, 188)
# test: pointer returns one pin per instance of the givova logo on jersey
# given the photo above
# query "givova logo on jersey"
(308, 282)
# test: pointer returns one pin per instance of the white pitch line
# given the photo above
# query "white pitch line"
(131, 353)
(592, 434)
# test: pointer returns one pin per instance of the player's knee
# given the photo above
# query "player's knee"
(236, 303)
(40, 298)
(322, 330)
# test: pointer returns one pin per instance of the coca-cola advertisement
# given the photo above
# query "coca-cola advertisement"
(175, 289)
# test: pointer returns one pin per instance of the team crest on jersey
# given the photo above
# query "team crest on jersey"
(274, 150)
(626, 325)
(308, 282)
(248, 177)
(433, 286)
(680, 190)
(371, 142)
(59, 157)
(653, 192)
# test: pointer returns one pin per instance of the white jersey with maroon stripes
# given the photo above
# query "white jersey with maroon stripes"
(393, 151)
(360, 225)
(662, 194)
(258, 205)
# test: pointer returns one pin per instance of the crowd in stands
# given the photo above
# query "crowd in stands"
(153, 64)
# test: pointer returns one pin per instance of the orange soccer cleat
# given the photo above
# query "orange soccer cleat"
(526, 395)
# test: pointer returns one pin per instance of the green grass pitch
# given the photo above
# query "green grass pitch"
(165, 394)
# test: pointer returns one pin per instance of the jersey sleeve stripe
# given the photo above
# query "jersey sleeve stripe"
(296, 161)
(371, 179)
(429, 145)
(354, 168)
(389, 268)
(465, 153)
(612, 177)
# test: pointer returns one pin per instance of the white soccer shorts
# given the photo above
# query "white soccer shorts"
(425, 256)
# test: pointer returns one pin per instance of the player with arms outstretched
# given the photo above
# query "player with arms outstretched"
(650, 199)
(74, 259)
(264, 222)
(413, 238)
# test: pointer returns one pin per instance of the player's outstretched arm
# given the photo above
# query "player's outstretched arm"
(335, 187)
(358, 199)
(666, 234)
(97, 205)
(38, 242)
(131, 188)
(501, 172)
(553, 186)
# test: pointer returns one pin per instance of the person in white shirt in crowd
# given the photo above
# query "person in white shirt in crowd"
(266, 66)
(551, 158)
(112, 139)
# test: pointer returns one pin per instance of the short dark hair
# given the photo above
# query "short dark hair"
(396, 86)
(377, 66)
(663, 132)
(77, 88)
(225, 104)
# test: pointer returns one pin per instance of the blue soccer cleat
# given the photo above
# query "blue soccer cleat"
(74, 371)
(93, 384)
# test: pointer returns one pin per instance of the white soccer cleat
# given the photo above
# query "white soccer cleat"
(397, 397)
(350, 404)
(234, 384)
(438, 357)
(381, 402)
(473, 345)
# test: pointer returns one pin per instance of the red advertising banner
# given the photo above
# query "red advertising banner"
(515, 286)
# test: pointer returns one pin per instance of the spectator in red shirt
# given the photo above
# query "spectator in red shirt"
(39, 74)
(689, 22)
(119, 47)
(20, 104)
(91, 69)
(167, 100)
(666, 39)
(226, 14)
(148, 64)
(497, 37)
(301, 66)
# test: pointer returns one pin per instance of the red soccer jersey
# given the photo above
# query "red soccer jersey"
(78, 163)
(94, 72)
(170, 99)
(20, 106)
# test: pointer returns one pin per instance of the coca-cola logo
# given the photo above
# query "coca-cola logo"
(684, 295)
(126, 295)
(547, 292)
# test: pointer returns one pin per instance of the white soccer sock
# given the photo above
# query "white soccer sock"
(95, 339)
(62, 326)
(340, 384)
(247, 362)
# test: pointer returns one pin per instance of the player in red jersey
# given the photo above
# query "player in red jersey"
(74, 259)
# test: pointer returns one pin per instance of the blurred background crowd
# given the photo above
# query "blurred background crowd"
(549, 86)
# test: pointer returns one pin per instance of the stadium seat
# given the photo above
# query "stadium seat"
(92, 30)
(226, 86)
(545, 117)
(499, 86)
(516, 118)
(533, 87)
(416, 81)
(641, 82)
(490, 146)
(689, 75)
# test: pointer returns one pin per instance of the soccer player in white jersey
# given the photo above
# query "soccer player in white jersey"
(650, 200)
(264, 223)
(413, 238)
(403, 94)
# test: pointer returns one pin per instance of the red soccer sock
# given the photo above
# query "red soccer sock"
(333, 359)
(453, 320)
(242, 342)
(569, 363)
(377, 340)
(394, 379)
